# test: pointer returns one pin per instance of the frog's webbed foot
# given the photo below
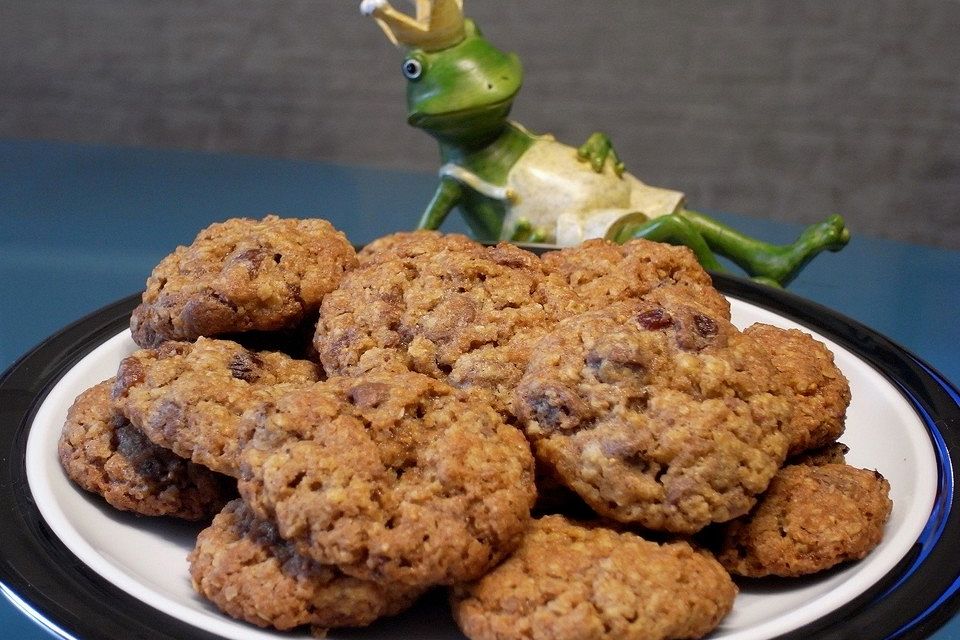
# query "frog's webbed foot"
(596, 150)
(832, 234)
(783, 264)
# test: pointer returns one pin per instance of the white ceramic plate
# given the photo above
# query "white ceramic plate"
(145, 559)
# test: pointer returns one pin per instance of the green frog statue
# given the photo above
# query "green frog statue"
(511, 184)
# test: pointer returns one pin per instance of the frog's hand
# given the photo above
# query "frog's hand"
(446, 197)
(524, 231)
(596, 150)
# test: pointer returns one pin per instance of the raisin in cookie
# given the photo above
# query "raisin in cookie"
(104, 454)
(190, 397)
(821, 392)
(603, 272)
(810, 519)
(395, 477)
(655, 414)
(242, 565)
(572, 581)
(466, 314)
(242, 275)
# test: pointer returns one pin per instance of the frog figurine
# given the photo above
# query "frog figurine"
(511, 184)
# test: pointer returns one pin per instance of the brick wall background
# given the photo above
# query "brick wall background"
(786, 110)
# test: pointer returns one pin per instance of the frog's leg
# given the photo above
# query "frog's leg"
(764, 261)
(484, 217)
(672, 229)
(445, 198)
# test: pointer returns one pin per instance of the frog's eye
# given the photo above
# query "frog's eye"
(412, 68)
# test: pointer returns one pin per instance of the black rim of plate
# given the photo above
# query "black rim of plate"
(43, 579)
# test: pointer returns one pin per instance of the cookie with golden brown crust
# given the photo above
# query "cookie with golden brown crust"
(391, 477)
(811, 518)
(244, 567)
(654, 414)
(467, 315)
(242, 275)
(104, 454)
(821, 393)
(833, 453)
(578, 581)
(191, 397)
(410, 244)
(603, 272)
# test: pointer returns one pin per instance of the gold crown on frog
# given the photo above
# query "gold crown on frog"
(438, 24)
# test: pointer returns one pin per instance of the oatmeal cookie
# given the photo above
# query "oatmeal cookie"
(821, 392)
(190, 397)
(410, 244)
(395, 477)
(467, 315)
(242, 275)
(603, 272)
(833, 453)
(656, 415)
(104, 454)
(244, 567)
(810, 519)
(583, 582)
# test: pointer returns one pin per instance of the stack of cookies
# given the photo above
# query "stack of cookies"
(576, 445)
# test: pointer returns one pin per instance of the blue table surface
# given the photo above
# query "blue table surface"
(82, 226)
